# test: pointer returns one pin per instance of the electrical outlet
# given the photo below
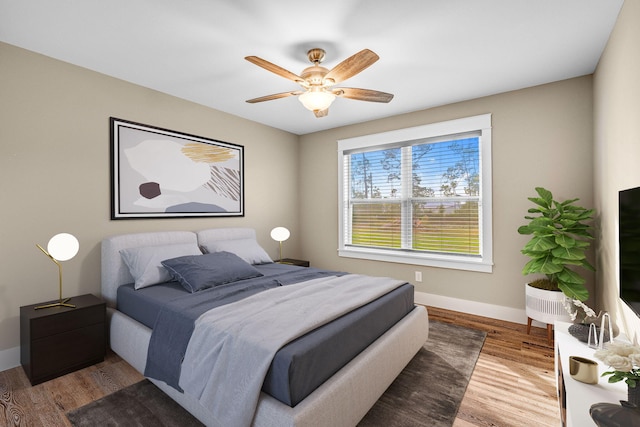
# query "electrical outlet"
(418, 276)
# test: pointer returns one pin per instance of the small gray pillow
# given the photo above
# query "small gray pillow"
(247, 249)
(206, 271)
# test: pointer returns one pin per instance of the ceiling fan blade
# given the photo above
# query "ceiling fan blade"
(274, 96)
(321, 113)
(352, 66)
(274, 68)
(363, 94)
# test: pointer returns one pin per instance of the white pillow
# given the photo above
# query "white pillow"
(145, 263)
(247, 249)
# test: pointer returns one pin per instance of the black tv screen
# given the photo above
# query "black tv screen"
(629, 239)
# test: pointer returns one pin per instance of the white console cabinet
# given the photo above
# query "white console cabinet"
(575, 397)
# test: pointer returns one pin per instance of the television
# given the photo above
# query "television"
(629, 240)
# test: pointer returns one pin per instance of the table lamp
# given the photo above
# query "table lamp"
(280, 234)
(61, 247)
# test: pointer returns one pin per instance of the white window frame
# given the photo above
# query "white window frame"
(483, 263)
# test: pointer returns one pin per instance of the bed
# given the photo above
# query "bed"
(341, 399)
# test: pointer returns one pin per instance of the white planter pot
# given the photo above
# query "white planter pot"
(545, 306)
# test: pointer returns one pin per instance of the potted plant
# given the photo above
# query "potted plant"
(559, 241)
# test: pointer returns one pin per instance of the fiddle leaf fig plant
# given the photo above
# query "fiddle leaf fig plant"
(560, 239)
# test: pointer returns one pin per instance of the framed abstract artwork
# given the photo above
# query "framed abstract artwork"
(159, 173)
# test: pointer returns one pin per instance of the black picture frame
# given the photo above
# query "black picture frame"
(160, 173)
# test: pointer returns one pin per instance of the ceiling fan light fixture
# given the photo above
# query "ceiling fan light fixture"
(316, 99)
(317, 81)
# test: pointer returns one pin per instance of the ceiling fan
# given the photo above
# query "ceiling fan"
(318, 82)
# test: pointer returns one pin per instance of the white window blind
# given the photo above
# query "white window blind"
(420, 200)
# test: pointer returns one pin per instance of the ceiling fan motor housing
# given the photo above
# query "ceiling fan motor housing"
(314, 75)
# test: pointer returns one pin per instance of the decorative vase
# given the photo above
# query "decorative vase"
(612, 415)
(583, 370)
(581, 332)
(633, 395)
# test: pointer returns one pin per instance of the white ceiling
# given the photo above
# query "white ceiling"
(432, 52)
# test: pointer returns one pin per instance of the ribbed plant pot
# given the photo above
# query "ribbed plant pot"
(546, 306)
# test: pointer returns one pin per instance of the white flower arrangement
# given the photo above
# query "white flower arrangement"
(624, 358)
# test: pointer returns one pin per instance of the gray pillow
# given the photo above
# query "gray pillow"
(199, 272)
(145, 262)
(247, 249)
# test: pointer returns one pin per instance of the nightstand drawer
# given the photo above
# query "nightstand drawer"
(44, 327)
(62, 353)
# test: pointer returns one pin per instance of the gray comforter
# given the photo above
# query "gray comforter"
(232, 346)
(175, 323)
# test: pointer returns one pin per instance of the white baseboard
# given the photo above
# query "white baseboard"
(9, 358)
(473, 307)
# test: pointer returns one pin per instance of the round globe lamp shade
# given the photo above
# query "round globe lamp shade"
(63, 246)
(280, 234)
(316, 100)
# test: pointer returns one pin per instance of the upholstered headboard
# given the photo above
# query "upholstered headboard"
(217, 234)
(116, 273)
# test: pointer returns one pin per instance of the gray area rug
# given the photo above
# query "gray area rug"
(428, 392)
(141, 405)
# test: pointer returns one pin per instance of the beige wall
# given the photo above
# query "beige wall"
(55, 166)
(617, 151)
(542, 136)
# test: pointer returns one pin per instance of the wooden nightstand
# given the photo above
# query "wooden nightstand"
(291, 261)
(58, 340)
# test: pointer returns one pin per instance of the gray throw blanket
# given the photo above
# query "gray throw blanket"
(232, 346)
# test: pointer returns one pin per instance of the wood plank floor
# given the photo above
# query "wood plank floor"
(513, 383)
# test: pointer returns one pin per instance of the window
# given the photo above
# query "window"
(420, 195)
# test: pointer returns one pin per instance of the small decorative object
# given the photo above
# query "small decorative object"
(583, 370)
(593, 338)
(606, 318)
(280, 234)
(581, 312)
(61, 247)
